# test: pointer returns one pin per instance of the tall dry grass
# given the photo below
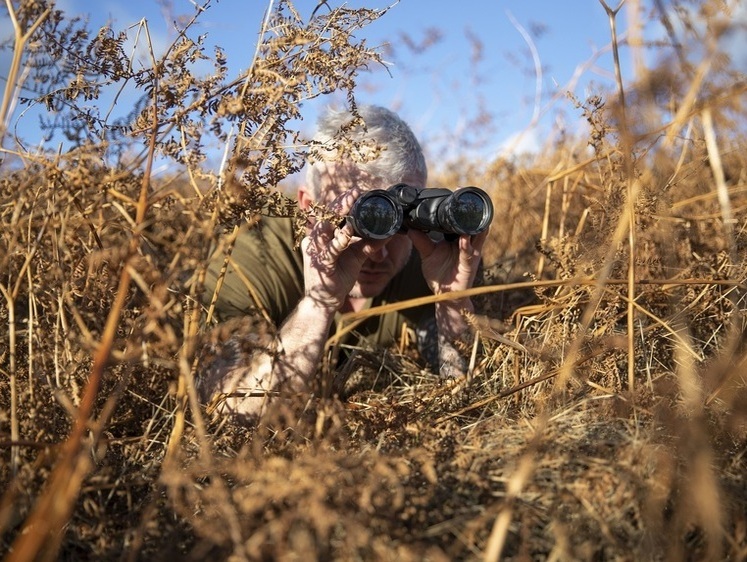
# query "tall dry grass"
(604, 413)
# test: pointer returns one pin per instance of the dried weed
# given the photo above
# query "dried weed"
(605, 415)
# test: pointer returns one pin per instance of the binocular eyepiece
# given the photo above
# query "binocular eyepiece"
(381, 213)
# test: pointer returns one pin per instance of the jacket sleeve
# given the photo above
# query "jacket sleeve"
(264, 273)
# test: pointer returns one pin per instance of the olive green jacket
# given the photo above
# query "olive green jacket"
(265, 273)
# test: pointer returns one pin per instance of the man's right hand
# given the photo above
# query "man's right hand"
(333, 256)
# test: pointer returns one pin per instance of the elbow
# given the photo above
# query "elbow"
(235, 370)
(241, 394)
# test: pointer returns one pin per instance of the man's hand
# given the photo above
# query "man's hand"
(449, 266)
(333, 257)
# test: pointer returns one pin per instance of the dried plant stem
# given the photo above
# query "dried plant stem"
(685, 110)
(704, 490)
(632, 189)
(545, 228)
(612, 16)
(186, 391)
(14, 433)
(537, 111)
(42, 532)
(229, 242)
(185, 385)
(565, 203)
(250, 72)
(602, 279)
(10, 297)
(555, 176)
(635, 38)
(516, 484)
(735, 329)
(30, 332)
(714, 158)
(681, 161)
(631, 285)
(518, 387)
(475, 291)
(20, 40)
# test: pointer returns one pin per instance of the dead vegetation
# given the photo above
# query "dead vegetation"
(605, 415)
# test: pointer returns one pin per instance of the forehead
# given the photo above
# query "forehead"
(337, 177)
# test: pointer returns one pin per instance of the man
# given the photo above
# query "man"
(269, 282)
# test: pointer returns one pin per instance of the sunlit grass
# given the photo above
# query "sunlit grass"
(605, 412)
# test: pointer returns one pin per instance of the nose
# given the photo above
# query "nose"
(379, 255)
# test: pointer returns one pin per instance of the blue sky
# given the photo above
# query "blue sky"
(443, 90)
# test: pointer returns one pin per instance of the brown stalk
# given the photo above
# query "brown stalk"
(351, 319)
(20, 39)
(185, 385)
(545, 228)
(42, 532)
(518, 387)
(10, 298)
(722, 192)
(516, 484)
(633, 189)
(14, 433)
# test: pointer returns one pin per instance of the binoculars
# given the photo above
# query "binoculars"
(380, 213)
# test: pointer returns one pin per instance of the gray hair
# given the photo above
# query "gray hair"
(401, 156)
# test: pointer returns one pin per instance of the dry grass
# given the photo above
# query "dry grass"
(605, 415)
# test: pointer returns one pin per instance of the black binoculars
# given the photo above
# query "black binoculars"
(380, 213)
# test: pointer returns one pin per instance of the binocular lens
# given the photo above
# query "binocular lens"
(468, 211)
(376, 215)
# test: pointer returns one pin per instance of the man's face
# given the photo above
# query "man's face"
(392, 256)
(382, 266)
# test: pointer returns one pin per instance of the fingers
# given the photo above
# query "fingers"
(339, 243)
(422, 242)
(468, 257)
(471, 246)
(326, 245)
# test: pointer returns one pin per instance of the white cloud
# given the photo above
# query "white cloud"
(521, 143)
